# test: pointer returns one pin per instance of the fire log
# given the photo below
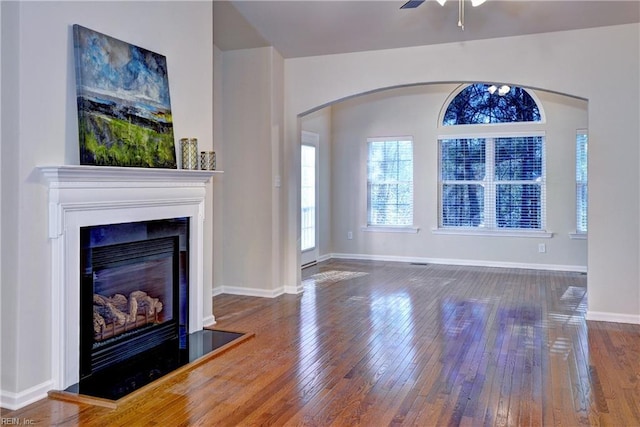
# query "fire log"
(98, 321)
(152, 305)
(108, 310)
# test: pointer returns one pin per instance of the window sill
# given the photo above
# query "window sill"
(493, 233)
(578, 236)
(389, 229)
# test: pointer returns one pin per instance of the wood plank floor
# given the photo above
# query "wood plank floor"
(377, 344)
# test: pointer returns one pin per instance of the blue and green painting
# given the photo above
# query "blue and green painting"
(124, 109)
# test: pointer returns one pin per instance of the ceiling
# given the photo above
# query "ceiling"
(307, 28)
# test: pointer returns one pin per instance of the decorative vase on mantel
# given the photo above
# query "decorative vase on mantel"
(208, 160)
(189, 149)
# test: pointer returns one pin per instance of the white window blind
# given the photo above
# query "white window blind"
(582, 140)
(390, 181)
(492, 183)
(463, 173)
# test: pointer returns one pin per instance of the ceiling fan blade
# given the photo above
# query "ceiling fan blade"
(412, 4)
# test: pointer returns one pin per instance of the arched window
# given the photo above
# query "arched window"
(482, 103)
(492, 178)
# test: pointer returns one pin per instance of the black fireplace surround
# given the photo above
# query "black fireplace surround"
(134, 291)
(134, 307)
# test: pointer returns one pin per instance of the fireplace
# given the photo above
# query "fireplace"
(90, 196)
(133, 290)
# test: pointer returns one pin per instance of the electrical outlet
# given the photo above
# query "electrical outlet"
(542, 248)
(349, 235)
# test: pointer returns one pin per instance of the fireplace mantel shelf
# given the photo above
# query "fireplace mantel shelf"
(75, 174)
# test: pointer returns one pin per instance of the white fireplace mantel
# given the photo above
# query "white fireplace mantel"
(82, 196)
(68, 175)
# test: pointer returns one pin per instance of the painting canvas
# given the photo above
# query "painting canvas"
(124, 109)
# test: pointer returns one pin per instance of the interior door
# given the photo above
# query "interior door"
(309, 198)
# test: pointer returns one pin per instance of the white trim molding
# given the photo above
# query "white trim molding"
(389, 229)
(251, 292)
(540, 234)
(255, 292)
(462, 262)
(601, 316)
(578, 236)
(82, 176)
(14, 401)
(209, 320)
(324, 257)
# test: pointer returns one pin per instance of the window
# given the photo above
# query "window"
(390, 182)
(582, 139)
(462, 165)
(492, 180)
(477, 104)
(492, 183)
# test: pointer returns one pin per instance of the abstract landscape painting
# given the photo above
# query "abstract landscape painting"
(124, 109)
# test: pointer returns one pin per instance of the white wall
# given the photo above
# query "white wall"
(579, 63)
(8, 168)
(0, 164)
(415, 111)
(277, 161)
(10, 352)
(39, 83)
(218, 193)
(251, 139)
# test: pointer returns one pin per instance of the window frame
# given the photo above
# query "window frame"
(490, 227)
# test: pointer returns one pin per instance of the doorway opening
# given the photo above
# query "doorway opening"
(309, 198)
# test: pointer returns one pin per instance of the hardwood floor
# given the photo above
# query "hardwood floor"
(377, 344)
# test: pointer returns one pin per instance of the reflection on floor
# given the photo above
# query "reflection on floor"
(332, 276)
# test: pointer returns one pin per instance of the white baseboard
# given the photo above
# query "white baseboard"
(293, 290)
(601, 316)
(209, 321)
(590, 315)
(14, 401)
(462, 262)
(252, 292)
(325, 257)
